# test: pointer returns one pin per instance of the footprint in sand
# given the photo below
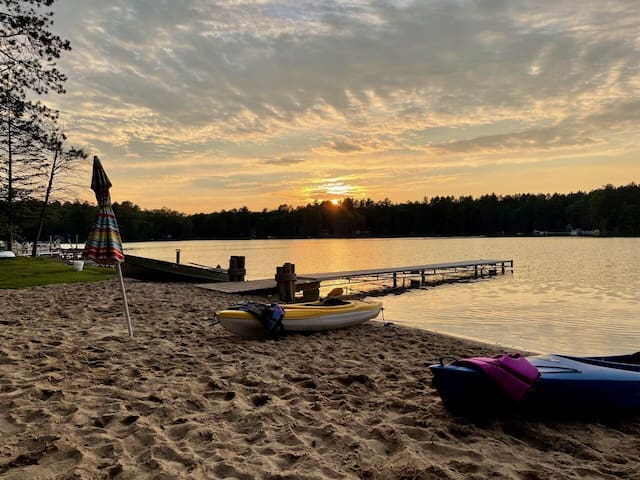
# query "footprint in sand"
(45, 457)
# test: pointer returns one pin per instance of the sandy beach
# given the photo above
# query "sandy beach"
(79, 399)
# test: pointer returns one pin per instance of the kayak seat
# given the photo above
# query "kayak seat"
(334, 301)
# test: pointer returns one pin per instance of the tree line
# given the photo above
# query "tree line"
(610, 210)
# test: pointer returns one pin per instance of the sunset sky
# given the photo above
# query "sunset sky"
(203, 105)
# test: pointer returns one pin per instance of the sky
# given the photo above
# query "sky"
(203, 105)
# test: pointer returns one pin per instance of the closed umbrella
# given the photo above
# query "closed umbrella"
(104, 245)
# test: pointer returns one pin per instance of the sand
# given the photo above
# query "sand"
(186, 399)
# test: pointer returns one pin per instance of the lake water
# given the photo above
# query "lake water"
(571, 295)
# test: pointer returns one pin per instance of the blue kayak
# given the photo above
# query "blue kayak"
(566, 385)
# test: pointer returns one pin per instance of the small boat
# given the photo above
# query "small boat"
(159, 270)
(302, 317)
(7, 254)
(565, 386)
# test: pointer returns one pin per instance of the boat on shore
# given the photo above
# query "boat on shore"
(302, 317)
(143, 268)
(565, 386)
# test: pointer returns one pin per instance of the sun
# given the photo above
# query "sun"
(333, 191)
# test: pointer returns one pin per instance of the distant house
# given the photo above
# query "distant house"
(578, 232)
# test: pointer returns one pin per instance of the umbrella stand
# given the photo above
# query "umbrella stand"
(124, 299)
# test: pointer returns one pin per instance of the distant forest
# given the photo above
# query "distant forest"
(610, 210)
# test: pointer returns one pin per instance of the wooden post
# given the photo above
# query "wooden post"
(177, 256)
(310, 291)
(236, 269)
(286, 282)
(395, 279)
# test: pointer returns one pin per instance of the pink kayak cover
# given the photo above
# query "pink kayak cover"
(513, 374)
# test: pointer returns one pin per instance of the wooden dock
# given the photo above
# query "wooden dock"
(419, 275)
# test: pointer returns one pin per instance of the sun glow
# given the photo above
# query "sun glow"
(332, 190)
(337, 187)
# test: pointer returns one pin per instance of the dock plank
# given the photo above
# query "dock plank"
(269, 284)
(414, 268)
(240, 287)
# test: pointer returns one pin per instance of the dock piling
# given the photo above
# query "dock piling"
(236, 269)
(286, 282)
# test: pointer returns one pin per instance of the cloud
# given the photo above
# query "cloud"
(282, 161)
(344, 146)
(523, 141)
(292, 82)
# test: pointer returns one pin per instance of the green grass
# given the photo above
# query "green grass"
(25, 272)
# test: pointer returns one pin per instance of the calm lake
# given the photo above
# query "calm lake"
(571, 295)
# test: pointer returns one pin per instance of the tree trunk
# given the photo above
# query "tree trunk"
(43, 210)
(10, 187)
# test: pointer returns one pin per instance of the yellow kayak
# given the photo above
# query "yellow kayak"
(302, 317)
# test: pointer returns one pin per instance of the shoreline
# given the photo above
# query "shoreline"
(185, 399)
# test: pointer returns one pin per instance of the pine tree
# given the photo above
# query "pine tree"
(28, 55)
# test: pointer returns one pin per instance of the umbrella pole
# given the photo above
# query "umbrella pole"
(124, 299)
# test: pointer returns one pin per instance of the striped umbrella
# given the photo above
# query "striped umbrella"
(104, 245)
